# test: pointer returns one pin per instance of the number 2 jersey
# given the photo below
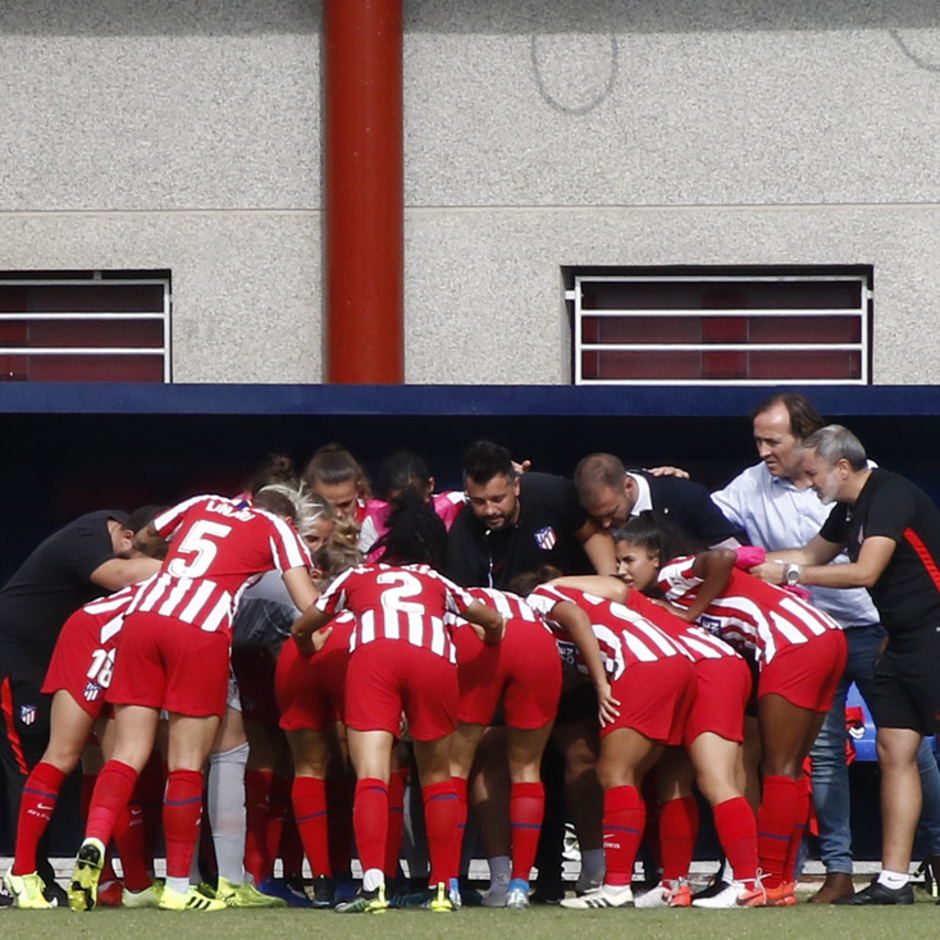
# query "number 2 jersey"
(409, 604)
(219, 548)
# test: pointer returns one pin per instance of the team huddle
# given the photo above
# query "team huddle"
(273, 675)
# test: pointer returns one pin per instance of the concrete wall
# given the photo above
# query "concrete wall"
(538, 135)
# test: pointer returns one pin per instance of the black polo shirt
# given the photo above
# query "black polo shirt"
(54, 582)
(549, 514)
(907, 594)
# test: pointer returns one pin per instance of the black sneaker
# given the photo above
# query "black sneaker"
(323, 887)
(6, 899)
(877, 893)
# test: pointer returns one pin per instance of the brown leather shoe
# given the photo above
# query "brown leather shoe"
(838, 884)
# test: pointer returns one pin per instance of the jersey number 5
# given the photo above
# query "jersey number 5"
(199, 544)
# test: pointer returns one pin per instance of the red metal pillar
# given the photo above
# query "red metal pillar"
(364, 255)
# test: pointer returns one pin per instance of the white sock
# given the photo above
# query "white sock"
(372, 878)
(500, 870)
(593, 865)
(727, 872)
(180, 885)
(893, 879)
(226, 805)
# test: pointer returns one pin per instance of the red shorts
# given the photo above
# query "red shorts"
(655, 698)
(388, 677)
(524, 670)
(253, 667)
(81, 664)
(723, 689)
(806, 674)
(165, 663)
(310, 691)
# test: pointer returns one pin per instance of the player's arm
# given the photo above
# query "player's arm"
(714, 567)
(117, 573)
(598, 546)
(300, 587)
(308, 630)
(492, 624)
(610, 588)
(578, 625)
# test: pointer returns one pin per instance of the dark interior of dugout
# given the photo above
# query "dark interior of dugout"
(73, 449)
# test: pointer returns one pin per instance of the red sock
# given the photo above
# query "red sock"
(258, 860)
(678, 830)
(737, 833)
(776, 820)
(40, 795)
(624, 819)
(370, 821)
(440, 820)
(396, 822)
(309, 797)
(799, 829)
(130, 836)
(526, 808)
(339, 799)
(113, 791)
(182, 813)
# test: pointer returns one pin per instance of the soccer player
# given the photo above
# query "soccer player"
(403, 659)
(399, 472)
(310, 701)
(801, 655)
(79, 674)
(524, 671)
(175, 656)
(710, 755)
(652, 686)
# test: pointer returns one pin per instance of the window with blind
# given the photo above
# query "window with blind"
(85, 326)
(721, 326)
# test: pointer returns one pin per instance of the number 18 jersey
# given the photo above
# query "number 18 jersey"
(391, 603)
(219, 547)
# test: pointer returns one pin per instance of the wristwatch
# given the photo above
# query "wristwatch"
(791, 574)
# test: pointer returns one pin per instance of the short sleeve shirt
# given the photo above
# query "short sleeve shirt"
(907, 594)
(55, 581)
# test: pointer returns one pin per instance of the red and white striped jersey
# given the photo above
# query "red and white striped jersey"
(506, 604)
(624, 636)
(109, 612)
(408, 604)
(750, 614)
(697, 642)
(219, 548)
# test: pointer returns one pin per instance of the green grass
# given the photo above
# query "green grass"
(803, 922)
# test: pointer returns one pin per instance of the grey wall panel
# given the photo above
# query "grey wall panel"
(159, 121)
(246, 286)
(654, 104)
(484, 293)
